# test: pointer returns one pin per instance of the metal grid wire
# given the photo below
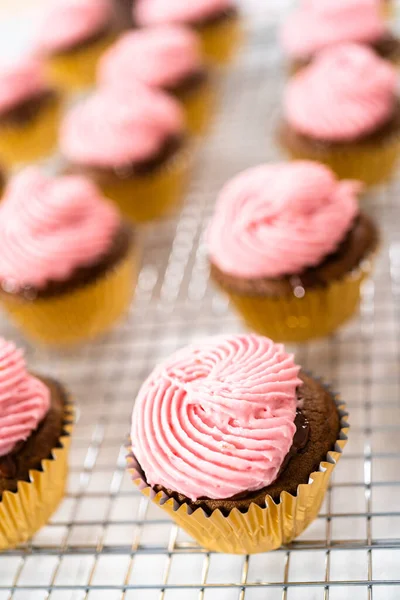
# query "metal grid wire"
(106, 542)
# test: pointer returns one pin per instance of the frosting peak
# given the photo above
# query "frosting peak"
(24, 399)
(51, 226)
(345, 93)
(154, 12)
(278, 219)
(20, 81)
(70, 22)
(318, 24)
(217, 419)
(114, 129)
(158, 56)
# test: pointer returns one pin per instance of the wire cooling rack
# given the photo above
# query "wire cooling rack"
(105, 541)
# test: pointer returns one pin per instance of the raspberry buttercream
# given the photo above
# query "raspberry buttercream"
(71, 22)
(217, 419)
(347, 92)
(153, 12)
(20, 81)
(278, 219)
(114, 129)
(51, 226)
(318, 24)
(24, 399)
(158, 56)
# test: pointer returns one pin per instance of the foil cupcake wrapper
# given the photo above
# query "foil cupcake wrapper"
(221, 40)
(199, 107)
(258, 529)
(24, 512)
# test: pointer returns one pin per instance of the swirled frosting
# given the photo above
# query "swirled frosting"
(113, 129)
(51, 226)
(157, 56)
(20, 81)
(71, 22)
(347, 92)
(317, 24)
(24, 399)
(278, 219)
(155, 12)
(217, 419)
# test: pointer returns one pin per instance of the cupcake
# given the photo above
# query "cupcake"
(343, 110)
(72, 37)
(235, 443)
(29, 112)
(66, 258)
(290, 248)
(319, 24)
(133, 145)
(36, 419)
(217, 22)
(168, 58)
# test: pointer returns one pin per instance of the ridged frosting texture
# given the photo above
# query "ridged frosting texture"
(318, 24)
(68, 23)
(24, 399)
(51, 226)
(113, 129)
(217, 419)
(278, 219)
(20, 81)
(154, 12)
(346, 93)
(157, 56)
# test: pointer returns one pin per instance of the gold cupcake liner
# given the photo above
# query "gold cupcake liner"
(370, 163)
(24, 512)
(319, 313)
(81, 314)
(258, 529)
(198, 105)
(32, 140)
(76, 69)
(221, 40)
(142, 198)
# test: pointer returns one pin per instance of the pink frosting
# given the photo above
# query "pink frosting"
(114, 129)
(217, 419)
(318, 24)
(347, 92)
(24, 400)
(51, 226)
(158, 56)
(278, 219)
(70, 22)
(154, 12)
(20, 81)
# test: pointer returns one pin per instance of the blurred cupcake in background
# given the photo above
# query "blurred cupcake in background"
(291, 249)
(217, 22)
(29, 112)
(66, 258)
(343, 110)
(36, 419)
(72, 36)
(133, 145)
(166, 57)
(319, 24)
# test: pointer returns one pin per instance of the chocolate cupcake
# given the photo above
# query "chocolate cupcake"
(134, 146)
(168, 58)
(343, 110)
(67, 258)
(35, 423)
(290, 248)
(216, 21)
(236, 443)
(29, 112)
(72, 36)
(319, 24)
